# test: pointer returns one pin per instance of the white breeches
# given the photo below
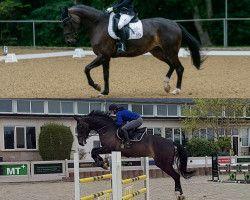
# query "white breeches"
(124, 20)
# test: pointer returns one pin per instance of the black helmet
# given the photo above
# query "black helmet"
(113, 107)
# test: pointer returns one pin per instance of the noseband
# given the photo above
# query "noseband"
(71, 20)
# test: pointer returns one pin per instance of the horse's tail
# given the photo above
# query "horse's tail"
(194, 47)
(181, 161)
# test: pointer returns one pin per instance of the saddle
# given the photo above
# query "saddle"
(134, 29)
(135, 135)
(126, 27)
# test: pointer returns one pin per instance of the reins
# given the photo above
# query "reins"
(72, 20)
(103, 127)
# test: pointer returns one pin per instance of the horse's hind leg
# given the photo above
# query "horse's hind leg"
(166, 166)
(158, 53)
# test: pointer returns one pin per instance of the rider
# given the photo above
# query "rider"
(126, 10)
(123, 115)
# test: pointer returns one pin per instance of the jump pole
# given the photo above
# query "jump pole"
(76, 176)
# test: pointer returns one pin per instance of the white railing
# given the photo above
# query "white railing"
(224, 20)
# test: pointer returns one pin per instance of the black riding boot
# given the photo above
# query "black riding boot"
(122, 36)
(126, 138)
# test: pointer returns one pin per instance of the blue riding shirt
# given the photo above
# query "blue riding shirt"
(124, 116)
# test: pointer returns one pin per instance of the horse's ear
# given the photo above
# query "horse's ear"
(61, 9)
(77, 118)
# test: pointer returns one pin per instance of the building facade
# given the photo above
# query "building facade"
(21, 121)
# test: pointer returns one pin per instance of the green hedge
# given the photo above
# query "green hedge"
(55, 142)
(198, 148)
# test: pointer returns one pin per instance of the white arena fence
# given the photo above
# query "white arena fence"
(80, 53)
(223, 20)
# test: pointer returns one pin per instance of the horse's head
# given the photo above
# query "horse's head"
(83, 129)
(71, 24)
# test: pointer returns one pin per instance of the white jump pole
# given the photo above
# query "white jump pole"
(116, 175)
(146, 172)
(76, 176)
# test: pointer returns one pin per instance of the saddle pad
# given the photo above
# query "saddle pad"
(137, 32)
(137, 138)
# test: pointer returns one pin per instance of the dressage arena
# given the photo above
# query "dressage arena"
(196, 188)
(139, 77)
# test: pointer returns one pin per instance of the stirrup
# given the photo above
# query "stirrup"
(121, 48)
(127, 145)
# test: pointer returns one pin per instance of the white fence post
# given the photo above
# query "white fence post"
(116, 175)
(76, 176)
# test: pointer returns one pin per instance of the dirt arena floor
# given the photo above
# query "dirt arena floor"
(140, 77)
(196, 188)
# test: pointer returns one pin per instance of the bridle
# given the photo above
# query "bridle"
(74, 32)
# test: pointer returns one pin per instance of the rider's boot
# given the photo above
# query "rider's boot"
(122, 35)
(126, 138)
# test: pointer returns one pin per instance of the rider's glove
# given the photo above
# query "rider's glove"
(109, 10)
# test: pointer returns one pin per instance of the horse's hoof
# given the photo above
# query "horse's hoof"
(98, 87)
(105, 166)
(99, 95)
(167, 88)
(176, 91)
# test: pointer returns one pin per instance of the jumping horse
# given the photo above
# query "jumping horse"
(165, 152)
(161, 37)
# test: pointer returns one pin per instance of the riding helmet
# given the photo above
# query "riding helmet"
(113, 107)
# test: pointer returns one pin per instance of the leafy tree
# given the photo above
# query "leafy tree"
(216, 113)
(55, 142)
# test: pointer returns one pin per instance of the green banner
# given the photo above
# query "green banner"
(13, 170)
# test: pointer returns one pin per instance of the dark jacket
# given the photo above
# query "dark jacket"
(124, 116)
(125, 7)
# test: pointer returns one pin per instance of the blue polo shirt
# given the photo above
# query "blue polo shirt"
(124, 116)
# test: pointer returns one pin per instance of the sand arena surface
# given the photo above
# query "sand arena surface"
(196, 188)
(139, 77)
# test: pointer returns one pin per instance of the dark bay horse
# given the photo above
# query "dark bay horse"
(163, 151)
(161, 37)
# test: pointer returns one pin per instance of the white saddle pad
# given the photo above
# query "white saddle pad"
(137, 32)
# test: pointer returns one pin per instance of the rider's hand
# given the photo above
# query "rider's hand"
(109, 10)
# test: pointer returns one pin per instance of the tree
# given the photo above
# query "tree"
(219, 114)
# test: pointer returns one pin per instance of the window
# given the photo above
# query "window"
(54, 107)
(137, 108)
(154, 131)
(67, 107)
(172, 110)
(184, 137)
(245, 137)
(9, 137)
(19, 137)
(147, 109)
(31, 137)
(37, 106)
(210, 134)
(5, 105)
(95, 106)
(23, 106)
(169, 133)
(174, 134)
(162, 110)
(82, 108)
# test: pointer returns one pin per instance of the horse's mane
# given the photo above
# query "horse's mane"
(99, 113)
(87, 8)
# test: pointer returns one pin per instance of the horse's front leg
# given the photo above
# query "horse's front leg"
(95, 63)
(97, 158)
(105, 66)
